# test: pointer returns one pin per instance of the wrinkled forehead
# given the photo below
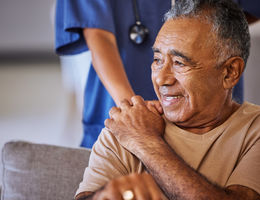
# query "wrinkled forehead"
(186, 32)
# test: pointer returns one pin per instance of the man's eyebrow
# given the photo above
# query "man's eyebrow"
(176, 53)
(179, 54)
(155, 50)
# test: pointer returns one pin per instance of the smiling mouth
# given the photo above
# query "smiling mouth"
(168, 100)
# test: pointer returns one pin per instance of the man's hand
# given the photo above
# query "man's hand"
(154, 106)
(138, 186)
(134, 125)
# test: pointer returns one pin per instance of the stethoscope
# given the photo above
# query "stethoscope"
(138, 33)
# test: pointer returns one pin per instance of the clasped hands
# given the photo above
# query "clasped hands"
(136, 123)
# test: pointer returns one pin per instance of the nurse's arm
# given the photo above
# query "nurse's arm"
(108, 64)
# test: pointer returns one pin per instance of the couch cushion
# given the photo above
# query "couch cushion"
(38, 171)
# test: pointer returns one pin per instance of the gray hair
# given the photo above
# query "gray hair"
(228, 23)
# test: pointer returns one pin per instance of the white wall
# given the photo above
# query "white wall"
(252, 72)
(26, 25)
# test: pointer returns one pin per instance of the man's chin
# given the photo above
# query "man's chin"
(172, 116)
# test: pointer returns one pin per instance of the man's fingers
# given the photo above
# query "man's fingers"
(109, 123)
(125, 104)
(133, 186)
(114, 111)
(124, 187)
(154, 190)
(158, 107)
(141, 192)
(109, 193)
(154, 106)
(138, 100)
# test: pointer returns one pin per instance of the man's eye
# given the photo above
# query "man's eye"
(176, 62)
(158, 61)
(157, 64)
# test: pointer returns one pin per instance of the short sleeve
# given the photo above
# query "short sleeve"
(247, 172)
(73, 15)
(108, 160)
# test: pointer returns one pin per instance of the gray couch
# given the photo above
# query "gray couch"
(41, 172)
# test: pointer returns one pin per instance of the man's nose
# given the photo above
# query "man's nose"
(166, 75)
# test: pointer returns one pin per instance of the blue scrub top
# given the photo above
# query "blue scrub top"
(115, 16)
(250, 6)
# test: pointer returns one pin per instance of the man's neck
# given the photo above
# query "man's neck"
(210, 124)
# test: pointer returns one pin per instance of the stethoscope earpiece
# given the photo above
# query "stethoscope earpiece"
(137, 32)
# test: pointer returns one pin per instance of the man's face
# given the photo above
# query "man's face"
(184, 73)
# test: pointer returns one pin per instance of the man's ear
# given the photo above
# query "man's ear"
(232, 71)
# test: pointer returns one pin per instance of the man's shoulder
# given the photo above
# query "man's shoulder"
(247, 111)
(253, 107)
(107, 138)
(252, 112)
(246, 124)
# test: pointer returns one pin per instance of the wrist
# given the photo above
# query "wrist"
(127, 93)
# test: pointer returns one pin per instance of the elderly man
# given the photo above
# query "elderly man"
(205, 145)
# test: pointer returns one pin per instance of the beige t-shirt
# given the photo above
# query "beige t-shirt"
(227, 155)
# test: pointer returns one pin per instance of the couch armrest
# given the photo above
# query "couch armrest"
(39, 171)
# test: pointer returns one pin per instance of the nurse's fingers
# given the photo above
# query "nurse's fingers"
(138, 100)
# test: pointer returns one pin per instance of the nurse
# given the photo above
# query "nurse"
(119, 35)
